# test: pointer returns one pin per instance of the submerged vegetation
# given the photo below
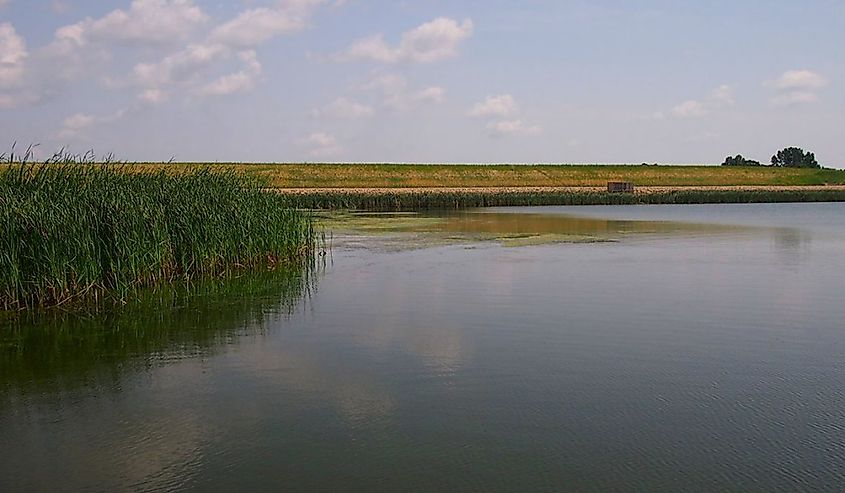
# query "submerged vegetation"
(74, 231)
(396, 231)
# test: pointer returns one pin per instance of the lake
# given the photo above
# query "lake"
(623, 348)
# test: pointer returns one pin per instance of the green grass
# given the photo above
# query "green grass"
(435, 176)
(71, 232)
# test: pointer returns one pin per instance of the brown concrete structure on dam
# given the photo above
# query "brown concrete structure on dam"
(620, 187)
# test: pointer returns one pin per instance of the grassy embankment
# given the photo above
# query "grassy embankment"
(473, 176)
(398, 187)
(82, 232)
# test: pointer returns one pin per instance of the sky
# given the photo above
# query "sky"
(601, 81)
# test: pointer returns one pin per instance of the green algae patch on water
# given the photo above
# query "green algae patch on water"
(549, 239)
(411, 230)
(377, 222)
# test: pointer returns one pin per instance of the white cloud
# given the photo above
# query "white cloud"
(394, 90)
(322, 145)
(396, 94)
(513, 127)
(797, 87)
(430, 42)
(237, 82)
(188, 69)
(500, 110)
(13, 54)
(719, 98)
(434, 94)
(69, 37)
(75, 124)
(184, 66)
(803, 80)
(153, 96)
(722, 96)
(190, 66)
(345, 108)
(17, 98)
(86, 47)
(373, 48)
(3, 3)
(435, 40)
(13, 57)
(257, 26)
(183, 53)
(795, 97)
(502, 105)
(145, 22)
(690, 109)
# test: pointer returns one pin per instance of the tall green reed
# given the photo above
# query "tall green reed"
(81, 231)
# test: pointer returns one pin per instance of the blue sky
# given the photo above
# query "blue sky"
(425, 80)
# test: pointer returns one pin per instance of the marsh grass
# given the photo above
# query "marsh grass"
(78, 231)
(439, 200)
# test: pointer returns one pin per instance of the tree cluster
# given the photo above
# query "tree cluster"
(738, 160)
(791, 157)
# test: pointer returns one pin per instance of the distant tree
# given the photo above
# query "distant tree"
(738, 160)
(794, 157)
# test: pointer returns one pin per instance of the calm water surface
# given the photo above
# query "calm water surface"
(642, 348)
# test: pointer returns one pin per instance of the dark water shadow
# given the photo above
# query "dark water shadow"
(52, 351)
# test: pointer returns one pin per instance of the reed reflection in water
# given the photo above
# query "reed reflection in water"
(54, 350)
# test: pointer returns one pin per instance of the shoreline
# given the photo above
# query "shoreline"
(645, 190)
(451, 198)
